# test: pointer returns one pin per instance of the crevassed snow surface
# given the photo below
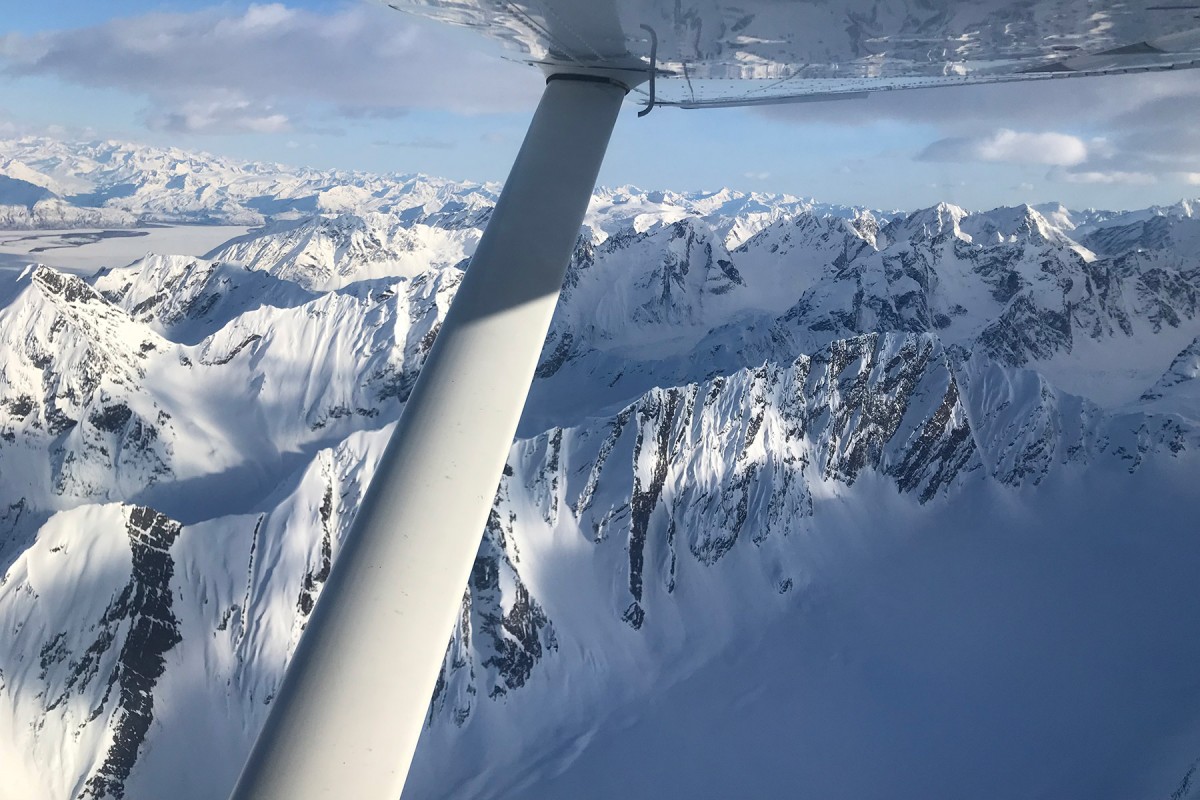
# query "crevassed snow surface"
(806, 502)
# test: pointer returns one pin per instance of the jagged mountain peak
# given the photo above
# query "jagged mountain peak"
(1186, 208)
(1010, 224)
(327, 252)
(735, 215)
(1028, 294)
(672, 279)
(1151, 237)
(91, 314)
(941, 219)
(804, 230)
(74, 410)
(1058, 215)
(997, 226)
(1090, 220)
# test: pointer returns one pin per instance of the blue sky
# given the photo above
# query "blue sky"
(353, 85)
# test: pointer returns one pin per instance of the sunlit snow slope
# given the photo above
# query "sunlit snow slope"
(806, 502)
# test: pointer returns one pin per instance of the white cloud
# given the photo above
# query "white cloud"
(229, 116)
(1102, 147)
(1103, 177)
(1192, 178)
(1013, 147)
(1145, 124)
(273, 67)
(265, 17)
(757, 176)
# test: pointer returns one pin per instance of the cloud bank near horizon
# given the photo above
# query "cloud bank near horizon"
(1126, 129)
(274, 68)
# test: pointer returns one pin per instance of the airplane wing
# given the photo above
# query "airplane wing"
(750, 52)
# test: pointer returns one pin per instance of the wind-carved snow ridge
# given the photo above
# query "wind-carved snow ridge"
(759, 426)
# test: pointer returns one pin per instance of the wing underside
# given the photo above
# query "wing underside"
(713, 53)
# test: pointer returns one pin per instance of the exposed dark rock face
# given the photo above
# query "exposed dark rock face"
(143, 612)
(217, 360)
(583, 502)
(502, 633)
(1187, 785)
(698, 463)
(316, 576)
(940, 454)
(656, 419)
(1025, 331)
(561, 352)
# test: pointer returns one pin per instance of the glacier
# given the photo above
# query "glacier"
(806, 500)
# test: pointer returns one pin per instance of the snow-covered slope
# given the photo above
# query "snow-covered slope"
(806, 501)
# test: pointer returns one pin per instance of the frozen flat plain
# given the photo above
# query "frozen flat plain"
(87, 250)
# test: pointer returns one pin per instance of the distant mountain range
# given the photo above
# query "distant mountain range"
(806, 501)
(45, 183)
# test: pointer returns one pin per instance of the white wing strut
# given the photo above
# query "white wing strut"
(351, 708)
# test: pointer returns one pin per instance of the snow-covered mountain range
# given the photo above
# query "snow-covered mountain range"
(45, 183)
(806, 501)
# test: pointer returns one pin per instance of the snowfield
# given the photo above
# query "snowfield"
(806, 502)
(86, 250)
